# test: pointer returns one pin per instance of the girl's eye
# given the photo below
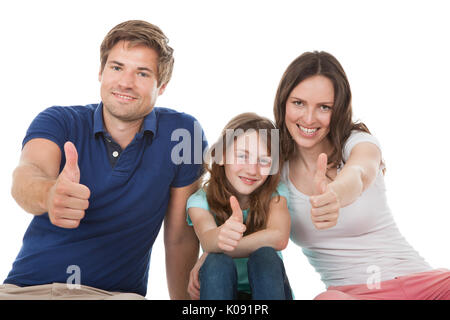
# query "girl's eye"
(265, 162)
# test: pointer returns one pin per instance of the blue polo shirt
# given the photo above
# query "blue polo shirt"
(113, 243)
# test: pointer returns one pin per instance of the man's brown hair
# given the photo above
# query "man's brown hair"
(138, 32)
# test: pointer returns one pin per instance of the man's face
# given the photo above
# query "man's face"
(129, 85)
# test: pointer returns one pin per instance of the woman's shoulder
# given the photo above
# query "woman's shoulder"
(356, 137)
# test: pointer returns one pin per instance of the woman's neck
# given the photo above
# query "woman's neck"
(307, 157)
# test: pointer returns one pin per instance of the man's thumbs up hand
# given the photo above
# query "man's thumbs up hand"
(71, 170)
(67, 199)
(232, 231)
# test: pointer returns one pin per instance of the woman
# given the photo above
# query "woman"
(335, 175)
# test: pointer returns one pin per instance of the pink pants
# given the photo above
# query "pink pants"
(430, 285)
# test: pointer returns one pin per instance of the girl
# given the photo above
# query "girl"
(240, 216)
(334, 172)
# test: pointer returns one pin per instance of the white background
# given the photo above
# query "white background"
(230, 56)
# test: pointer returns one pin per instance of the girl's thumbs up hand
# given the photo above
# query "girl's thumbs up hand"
(232, 231)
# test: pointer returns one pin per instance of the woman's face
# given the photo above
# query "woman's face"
(308, 111)
(248, 165)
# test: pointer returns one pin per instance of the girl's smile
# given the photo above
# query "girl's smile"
(246, 167)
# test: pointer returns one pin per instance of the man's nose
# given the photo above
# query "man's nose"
(126, 80)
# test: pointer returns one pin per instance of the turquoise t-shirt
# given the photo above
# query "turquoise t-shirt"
(198, 200)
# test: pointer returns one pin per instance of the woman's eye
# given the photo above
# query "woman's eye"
(325, 108)
(143, 74)
(298, 103)
(115, 68)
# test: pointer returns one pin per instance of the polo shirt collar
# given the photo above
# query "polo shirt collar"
(149, 124)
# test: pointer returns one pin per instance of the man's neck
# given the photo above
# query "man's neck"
(123, 132)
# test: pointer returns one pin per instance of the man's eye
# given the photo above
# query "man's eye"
(115, 68)
(143, 74)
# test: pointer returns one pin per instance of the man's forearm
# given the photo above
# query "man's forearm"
(180, 259)
(30, 188)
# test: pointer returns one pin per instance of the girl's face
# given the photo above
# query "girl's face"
(308, 111)
(248, 165)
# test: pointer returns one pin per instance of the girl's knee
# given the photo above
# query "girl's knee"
(264, 253)
(265, 261)
(218, 262)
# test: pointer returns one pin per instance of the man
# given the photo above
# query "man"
(99, 180)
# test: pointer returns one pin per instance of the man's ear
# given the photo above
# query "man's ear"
(162, 89)
(100, 74)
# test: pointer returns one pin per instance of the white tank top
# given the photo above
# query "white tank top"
(365, 245)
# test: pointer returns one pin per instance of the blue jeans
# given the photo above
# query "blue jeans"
(266, 276)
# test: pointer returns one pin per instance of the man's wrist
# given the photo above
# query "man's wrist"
(43, 202)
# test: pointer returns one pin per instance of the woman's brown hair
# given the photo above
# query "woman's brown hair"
(219, 190)
(138, 32)
(341, 125)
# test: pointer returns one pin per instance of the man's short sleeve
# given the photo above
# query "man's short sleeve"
(190, 170)
(49, 124)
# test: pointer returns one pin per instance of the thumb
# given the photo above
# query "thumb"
(71, 167)
(320, 178)
(236, 210)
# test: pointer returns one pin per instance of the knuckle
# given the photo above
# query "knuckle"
(60, 187)
(58, 201)
(88, 193)
(75, 224)
(52, 219)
